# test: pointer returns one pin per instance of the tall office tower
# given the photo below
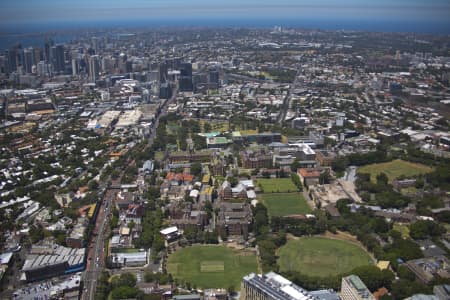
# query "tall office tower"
(108, 64)
(163, 72)
(95, 44)
(47, 55)
(37, 55)
(11, 58)
(2, 65)
(213, 78)
(199, 79)
(272, 286)
(122, 63)
(75, 66)
(28, 60)
(186, 69)
(94, 67)
(352, 288)
(165, 91)
(57, 58)
(43, 68)
(185, 80)
(128, 66)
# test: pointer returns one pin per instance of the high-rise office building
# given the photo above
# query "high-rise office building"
(165, 91)
(352, 288)
(272, 286)
(185, 79)
(163, 72)
(57, 58)
(47, 55)
(11, 58)
(28, 60)
(94, 67)
(75, 66)
(37, 55)
(214, 77)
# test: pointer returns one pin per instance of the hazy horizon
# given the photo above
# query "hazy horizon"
(399, 15)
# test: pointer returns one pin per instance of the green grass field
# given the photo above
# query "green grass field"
(394, 169)
(276, 185)
(285, 204)
(316, 256)
(211, 266)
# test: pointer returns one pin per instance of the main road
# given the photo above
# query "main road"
(286, 102)
(96, 251)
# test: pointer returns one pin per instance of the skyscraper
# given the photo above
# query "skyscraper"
(94, 67)
(213, 79)
(47, 55)
(28, 60)
(11, 60)
(163, 72)
(185, 80)
(57, 58)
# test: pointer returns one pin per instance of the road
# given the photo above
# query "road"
(286, 102)
(96, 251)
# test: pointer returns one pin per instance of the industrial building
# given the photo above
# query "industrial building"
(50, 260)
(133, 259)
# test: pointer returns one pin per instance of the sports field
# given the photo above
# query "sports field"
(276, 185)
(283, 204)
(317, 256)
(211, 266)
(395, 169)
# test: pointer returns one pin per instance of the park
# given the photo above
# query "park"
(211, 266)
(394, 169)
(321, 257)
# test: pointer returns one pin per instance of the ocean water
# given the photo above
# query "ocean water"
(35, 34)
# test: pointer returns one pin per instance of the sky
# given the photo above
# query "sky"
(20, 12)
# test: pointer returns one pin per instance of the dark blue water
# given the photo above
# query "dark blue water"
(35, 34)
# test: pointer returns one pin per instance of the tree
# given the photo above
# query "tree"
(296, 180)
(207, 127)
(103, 286)
(373, 277)
(131, 225)
(93, 185)
(382, 179)
(425, 228)
(158, 244)
(233, 180)
(196, 169)
(261, 219)
(405, 273)
(126, 279)
(402, 289)
(404, 249)
(342, 206)
(124, 292)
(36, 233)
(324, 177)
(379, 225)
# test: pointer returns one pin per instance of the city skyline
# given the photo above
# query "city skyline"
(383, 15)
